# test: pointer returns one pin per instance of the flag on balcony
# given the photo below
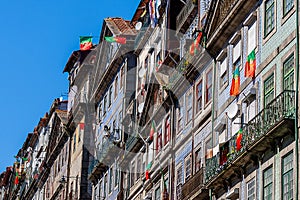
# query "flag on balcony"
(239, 140)
(235, 84)
(195, 47)
(120, 40)
(147, 173)
(152, 130)
(163, 186)
(85, 43)
(17, 178)
(250, 65)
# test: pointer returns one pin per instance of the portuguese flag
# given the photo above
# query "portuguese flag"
(194, 48)
(85, 43)
(239, 140)
(235, 84)
(147, 173)
(152, 130)
(120, 40)
(250, 65)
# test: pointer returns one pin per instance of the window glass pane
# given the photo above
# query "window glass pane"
(287, 6)
(288, 73)
(237, 51)
(251, 190)
(268, 183)
(199, 96)
(269, 89)
(287, 177)
(208, 86)
(269, 16)
(251, 38)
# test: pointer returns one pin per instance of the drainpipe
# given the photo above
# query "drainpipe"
(213, 113)
(297, 99)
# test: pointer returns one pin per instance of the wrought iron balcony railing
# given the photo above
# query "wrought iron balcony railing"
(280, 109)
(186, 15)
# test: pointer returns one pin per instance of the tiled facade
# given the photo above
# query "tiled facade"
(154, 118)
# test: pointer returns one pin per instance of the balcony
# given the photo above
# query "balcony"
(186, 16)
(273, 123)
(143, 36)
(80, 99)
(194, 187)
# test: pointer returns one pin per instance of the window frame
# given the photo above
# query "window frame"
(290, 58)
(254, 188)
(208, 87)
(267, 93)
(167, 130)
(197, 97)
(283, 173)
(189, 107)
(284, 11)
(270, 184)
(188, 167)
(271, 8)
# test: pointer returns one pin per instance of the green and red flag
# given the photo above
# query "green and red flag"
(250, 66)
(239, 140)
(235, 84)
(194, 48)
(17, 178)
(147, 173)
(85, 43)
(120, 40)
(152, 130)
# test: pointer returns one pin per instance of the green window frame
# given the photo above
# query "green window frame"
(269, 89)
(269, 16)
(287, 6)
(268, 183)
(288, 73)
(287, 176)
(251, 189)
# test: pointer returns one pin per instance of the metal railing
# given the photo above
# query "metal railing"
(185, 12)
(282, 107)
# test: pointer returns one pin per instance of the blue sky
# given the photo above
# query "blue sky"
(37, 38)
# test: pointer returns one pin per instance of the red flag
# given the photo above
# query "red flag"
(235, 84)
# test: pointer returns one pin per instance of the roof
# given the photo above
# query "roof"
(119, 26)
(139, 11)
(71, 61)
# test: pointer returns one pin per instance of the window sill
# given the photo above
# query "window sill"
(269, 35)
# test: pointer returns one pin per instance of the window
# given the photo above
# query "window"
(251, 38)
(180, 112)
(179, 175)
(105, 185)
(223, 72)
(268, 183)
(138, 168)
(269, 89)
(116, 177)
(251, 189)
(122, 77)
(188, 167)
(250, 110)
(287, 176)
(269, 16)
(288, 73)
(81, 131)
(287, 6)
(158, 140)
(110, 96)
(132, 178)
(74, 142)
(197, 160)
(167, 130)
(208, 88)
(100, 187)
(104, 104)
(116, 87)
(189, 107)
(157, 194)
(100, 111)
(111, 175)
(178, 181)
(199, 96)
(236, 54)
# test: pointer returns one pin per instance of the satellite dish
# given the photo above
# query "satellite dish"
(232, 110)
(140, 107)
(138, 26)
(142, 72)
